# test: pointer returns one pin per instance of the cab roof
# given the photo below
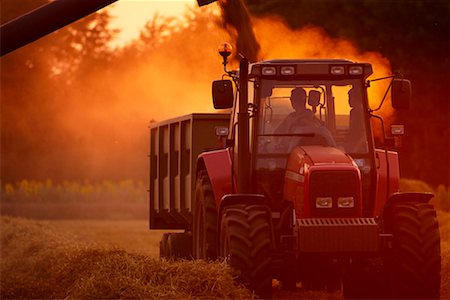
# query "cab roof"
(310, 68)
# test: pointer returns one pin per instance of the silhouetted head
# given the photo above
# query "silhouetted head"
(298, 98)
(352, 97)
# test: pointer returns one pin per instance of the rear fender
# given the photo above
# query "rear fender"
(402, 198)
(409, 197)
(236, 199)
(218, 166)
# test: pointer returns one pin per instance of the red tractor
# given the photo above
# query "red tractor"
(294, 189)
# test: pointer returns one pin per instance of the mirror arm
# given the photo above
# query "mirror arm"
(396, 75)
(385, 94)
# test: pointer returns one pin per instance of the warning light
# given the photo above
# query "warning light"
(225, 50)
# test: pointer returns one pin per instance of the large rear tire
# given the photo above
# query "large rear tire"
(246, 243)
(205, 235)
(415, 260)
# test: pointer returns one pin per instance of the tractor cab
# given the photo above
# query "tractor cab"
(302, 107)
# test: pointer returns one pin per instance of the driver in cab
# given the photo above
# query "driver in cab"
(301, 116)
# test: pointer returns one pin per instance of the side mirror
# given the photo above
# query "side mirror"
(222, 92)
(401, 93)
(314, 99)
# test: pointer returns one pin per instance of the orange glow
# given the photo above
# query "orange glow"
(175, 79)
(130, 16)
(100, 130)
(278, 41)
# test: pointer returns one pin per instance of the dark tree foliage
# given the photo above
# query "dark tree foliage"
(414, 36)
(34, 84)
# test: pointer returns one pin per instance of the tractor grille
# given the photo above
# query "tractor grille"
(334, 184)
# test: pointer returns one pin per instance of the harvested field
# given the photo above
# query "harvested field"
(84, 259)
(117, 257)
(39, 262)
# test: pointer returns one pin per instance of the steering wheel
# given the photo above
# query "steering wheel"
(322, 136)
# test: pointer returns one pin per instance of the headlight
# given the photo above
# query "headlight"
(289, 70)
(269, 71)
(337, 70)
(346, 202)
(355, 70)
(324, 202)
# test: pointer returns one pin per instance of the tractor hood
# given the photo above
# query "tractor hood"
(319, 156)
(318, 177)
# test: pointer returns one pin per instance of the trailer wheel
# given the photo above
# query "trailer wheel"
(415, 259)
(205, 235)
(246, 243)
(163, 251)
(176, 245)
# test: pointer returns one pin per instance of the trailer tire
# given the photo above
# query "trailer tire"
(415, 259)
(246, 243)
(205, 234)
(163, 251)
(179, 245)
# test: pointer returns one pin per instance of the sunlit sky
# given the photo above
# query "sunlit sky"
(131, 15)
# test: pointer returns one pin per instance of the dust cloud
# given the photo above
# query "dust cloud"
(278, 41)
(101, 131)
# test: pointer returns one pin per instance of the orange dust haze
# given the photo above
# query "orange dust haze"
(278, 41)
(100, 130)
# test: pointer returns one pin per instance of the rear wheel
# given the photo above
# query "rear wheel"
(180, 245)
(176, 245)
(163, 251)
(415, 260)
(205, 220)
(247, 245)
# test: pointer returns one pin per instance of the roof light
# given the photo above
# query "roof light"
(269, 71)
(290, 70)
(337, 70)
(355, 70)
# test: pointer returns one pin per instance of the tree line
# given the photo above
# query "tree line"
(53, 87)
(414, 36)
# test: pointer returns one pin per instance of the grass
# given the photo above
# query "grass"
(112, 254)
(119, 259)
(38, 261)
(130, 235)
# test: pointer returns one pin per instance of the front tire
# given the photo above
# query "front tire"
(246, 243)
(414, 262)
